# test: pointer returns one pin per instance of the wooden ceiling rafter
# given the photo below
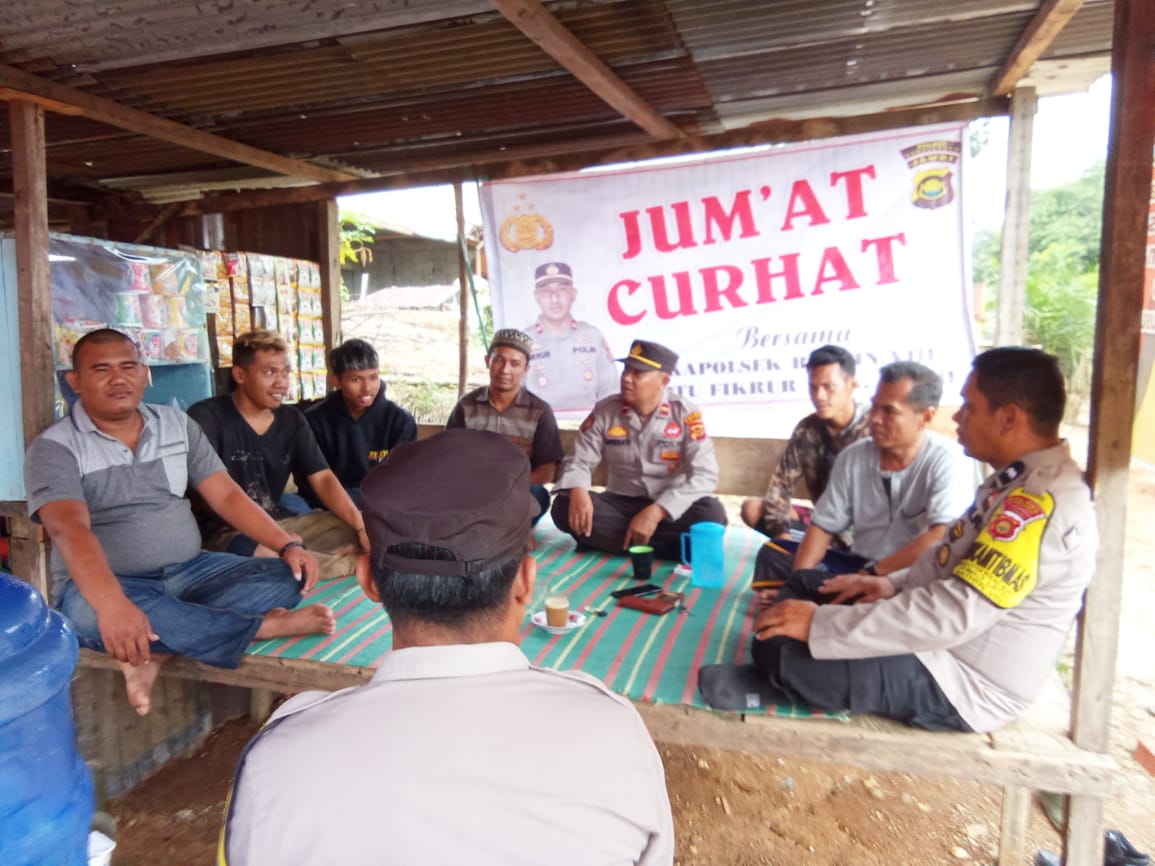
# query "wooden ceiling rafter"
(513, 163)
(18, 85)
(1051, 18)
(559, 42)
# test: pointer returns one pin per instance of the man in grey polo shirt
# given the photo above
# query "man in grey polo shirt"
(458, 751)
(505, 407)
(898, 490)
(108, 483)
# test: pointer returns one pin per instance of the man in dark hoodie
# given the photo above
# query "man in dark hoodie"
(356, 426)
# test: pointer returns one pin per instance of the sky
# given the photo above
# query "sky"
(1070, 135)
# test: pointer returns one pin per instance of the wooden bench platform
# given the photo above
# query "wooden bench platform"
(1033, 754)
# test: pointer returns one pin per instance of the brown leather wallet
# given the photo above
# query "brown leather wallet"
(662, 603)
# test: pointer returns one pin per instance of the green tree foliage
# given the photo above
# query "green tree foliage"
(1062, 272)
(357, 232)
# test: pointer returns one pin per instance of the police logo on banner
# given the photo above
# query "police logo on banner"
(932, 162)
(525, 230)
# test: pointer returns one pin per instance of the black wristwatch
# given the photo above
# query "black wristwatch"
(871, 567)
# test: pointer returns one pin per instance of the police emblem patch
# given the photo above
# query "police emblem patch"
(696, 426)
(673, 431)
(617, 432)
(1003, 560)
(943, 554)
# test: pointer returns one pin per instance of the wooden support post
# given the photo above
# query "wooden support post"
(1016, 227)
(1083, 836)
(463, 293)
(1122, 261)
(1122, 258)
(34, 287)
(34, 313)
(1015, 820)
(29, 558)
(329, 254)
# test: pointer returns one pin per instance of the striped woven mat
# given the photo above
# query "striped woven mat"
(642, 656)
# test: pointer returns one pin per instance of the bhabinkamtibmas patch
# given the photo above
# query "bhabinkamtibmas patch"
(1003, 562)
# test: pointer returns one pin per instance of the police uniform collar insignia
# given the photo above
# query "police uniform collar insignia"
(664, 410)
(1010, 473)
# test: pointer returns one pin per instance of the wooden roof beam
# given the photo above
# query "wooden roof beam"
(16, 84)
(527, 161)
(1051, 18)
(556, 40)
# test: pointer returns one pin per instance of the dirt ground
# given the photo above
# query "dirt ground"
(732, 809)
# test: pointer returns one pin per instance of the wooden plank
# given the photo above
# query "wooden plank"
(121, 116)
(166, 213)
(1051, 18)
(558, 41)
(1016, 817)
(329, 255)
(1012, 300)
(523, 162)
(1059, 766)
(1083, 837)
(744, 465)
(282, 675)
(1122, 262)
(29, 555)
(462, 293)
(30, 184)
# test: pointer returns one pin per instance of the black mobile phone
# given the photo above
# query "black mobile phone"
(644, 589)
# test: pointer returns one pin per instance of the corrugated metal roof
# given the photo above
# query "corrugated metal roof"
(378, 84)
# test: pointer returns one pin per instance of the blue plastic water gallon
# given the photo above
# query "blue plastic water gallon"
(45, 788)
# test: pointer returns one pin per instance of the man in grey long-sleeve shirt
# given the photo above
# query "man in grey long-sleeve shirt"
(662, 467)
(964, 638)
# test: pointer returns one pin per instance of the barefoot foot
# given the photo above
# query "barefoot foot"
(138, 680)
(311, 619)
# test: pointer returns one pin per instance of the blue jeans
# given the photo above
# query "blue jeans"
(208, 608)
(541, 493)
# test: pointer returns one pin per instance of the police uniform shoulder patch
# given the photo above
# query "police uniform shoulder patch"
(1003, 561)
(696, 426)
(943, 555)
(588, 422)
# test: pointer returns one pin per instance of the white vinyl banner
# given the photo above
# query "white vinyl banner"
(743, 265)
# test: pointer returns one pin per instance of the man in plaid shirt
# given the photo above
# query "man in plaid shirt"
(837, 422)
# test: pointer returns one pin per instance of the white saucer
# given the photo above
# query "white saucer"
(576, 621)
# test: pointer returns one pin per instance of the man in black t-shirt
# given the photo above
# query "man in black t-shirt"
(261, 443)
(355, 426)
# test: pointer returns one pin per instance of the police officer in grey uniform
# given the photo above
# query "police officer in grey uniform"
(571, 366)
(662, 467)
